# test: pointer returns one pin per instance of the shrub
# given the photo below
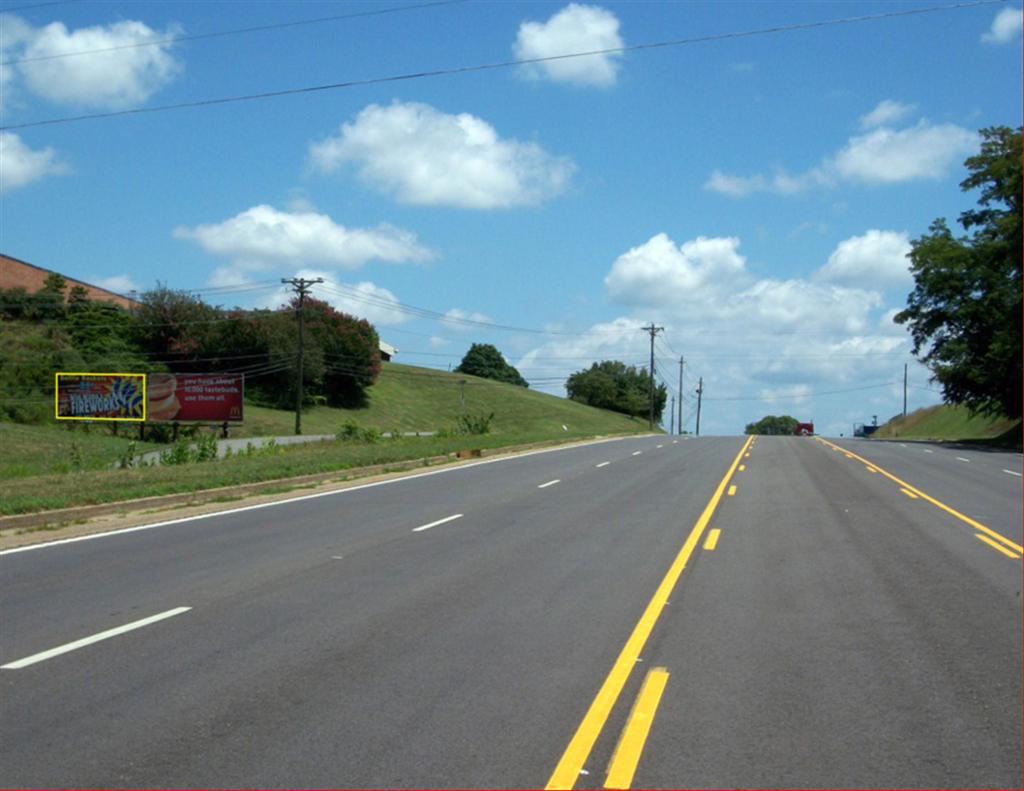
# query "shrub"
(475, 423)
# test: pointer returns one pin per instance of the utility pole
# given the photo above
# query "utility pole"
(301, 287)
(681, 361)
(700, 395)
(653, 331)
(904, 389)
(672, 430)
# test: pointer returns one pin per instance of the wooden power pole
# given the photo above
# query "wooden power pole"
(301, 287)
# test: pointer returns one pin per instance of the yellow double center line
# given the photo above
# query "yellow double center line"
(915, 492)
(575, 756)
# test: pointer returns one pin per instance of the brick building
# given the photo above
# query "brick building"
(20, 274)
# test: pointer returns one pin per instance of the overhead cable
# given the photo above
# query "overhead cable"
(221, 33)
(501, 64)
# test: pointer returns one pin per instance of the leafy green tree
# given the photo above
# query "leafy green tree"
(613, 385)
(176, 325)
(965, 310)
(485, 360)
(772, 425)
(349, 353)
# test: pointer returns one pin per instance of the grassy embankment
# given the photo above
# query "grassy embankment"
(953, 424)
(50, 466)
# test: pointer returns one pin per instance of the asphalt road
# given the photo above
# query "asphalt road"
(495, 625)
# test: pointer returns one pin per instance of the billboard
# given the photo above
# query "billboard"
(95, 396)
(198, 398)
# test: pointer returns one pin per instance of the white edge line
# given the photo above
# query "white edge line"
(451, 518)
(549, 483)
(606, 463)
(334, 492)
(1011, 472)
(63, 649)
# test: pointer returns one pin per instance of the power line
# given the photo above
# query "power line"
(223, 33)
(785, 396)
(500, 65)
(34, 6)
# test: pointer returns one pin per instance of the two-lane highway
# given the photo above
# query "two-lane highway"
(656, 611)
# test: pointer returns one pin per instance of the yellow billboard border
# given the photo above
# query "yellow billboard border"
(56, 396)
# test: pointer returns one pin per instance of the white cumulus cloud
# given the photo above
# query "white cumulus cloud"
(889, 156)
(423, 156)
(263, 236)
(882, 155)
(886, 112)
(1005, 27)
(576, 28)
(760, 344)
(659, 272)
(102, 66)
(458, 319)
(21, 165)
(364, 300)
(876, 259)
(119, 284)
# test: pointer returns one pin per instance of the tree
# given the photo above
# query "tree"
(613, 385)
(965, 310)
(772, 425)
(349, 351)
(485, 360)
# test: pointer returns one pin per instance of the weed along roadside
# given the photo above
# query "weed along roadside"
(94, 505)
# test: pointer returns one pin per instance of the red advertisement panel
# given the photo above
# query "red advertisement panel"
(100, 396)
(205, 398)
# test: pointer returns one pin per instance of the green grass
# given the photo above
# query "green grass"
(952, 423)
(39, 450)
(407, 398)
(36, 471)
(45, 492)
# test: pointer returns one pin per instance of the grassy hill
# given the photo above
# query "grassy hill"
(952, 423)
(407, 398)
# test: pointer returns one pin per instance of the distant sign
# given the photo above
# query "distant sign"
(196, 398)
(100, 396)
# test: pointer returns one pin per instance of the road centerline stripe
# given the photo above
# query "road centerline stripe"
(997, 547)
(941, 506)
(74, 646)
(567, 772)
(451, 518)
(961, 458)
(712, 540)
(549, 483)
(634, 736)
(1011, 472)
(732, 490)
(602, 464)
(637, 452)
(909, 493)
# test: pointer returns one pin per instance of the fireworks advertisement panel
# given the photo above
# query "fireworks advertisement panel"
(100, 396)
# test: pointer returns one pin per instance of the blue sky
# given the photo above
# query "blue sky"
(755, 195)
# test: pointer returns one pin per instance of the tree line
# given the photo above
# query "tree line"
(56, 329)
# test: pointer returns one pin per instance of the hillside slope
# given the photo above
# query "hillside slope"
(407, 398)
(951, 423)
